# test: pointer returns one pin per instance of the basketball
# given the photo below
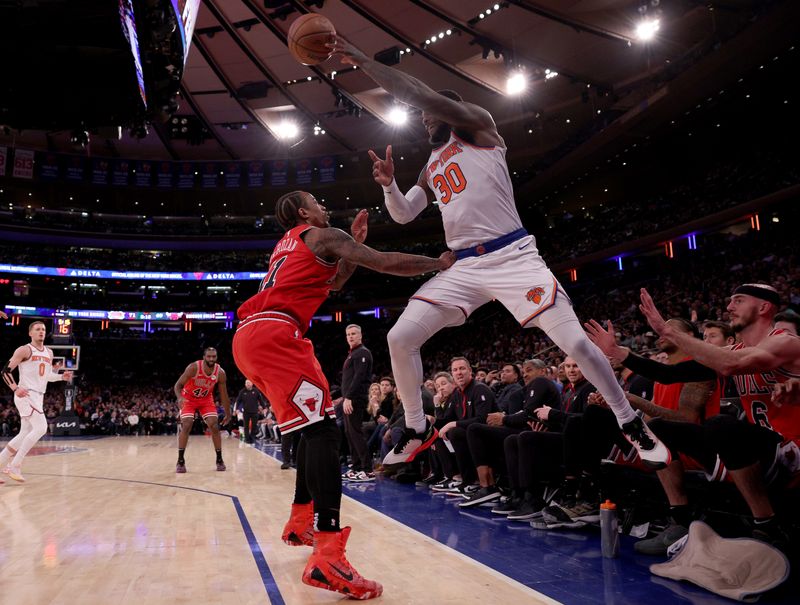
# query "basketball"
(308, 36)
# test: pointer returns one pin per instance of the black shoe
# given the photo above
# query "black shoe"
(507, 507)
(484, 494)
(773, 534)
(286, 464)
(530, 508)
(429, 480)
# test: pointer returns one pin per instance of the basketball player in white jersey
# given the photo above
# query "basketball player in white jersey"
(35, 363)
(468, 176)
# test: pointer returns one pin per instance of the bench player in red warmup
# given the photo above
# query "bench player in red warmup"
(307, 263)
(195, 392)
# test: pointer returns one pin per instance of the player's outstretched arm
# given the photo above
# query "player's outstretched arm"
(330, 242)
(412, 91)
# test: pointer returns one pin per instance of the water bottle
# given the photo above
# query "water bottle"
(609, 533)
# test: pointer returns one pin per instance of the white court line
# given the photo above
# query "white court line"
(493, 572)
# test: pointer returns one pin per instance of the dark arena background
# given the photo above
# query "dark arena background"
(143, 146)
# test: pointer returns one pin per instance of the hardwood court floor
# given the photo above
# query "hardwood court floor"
(107, 521)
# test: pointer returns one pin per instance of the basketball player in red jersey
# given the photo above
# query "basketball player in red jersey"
(307, 263)
(195, 392)
(765, 357)
(467, 174)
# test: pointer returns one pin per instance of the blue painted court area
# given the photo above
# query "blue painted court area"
(564, 565)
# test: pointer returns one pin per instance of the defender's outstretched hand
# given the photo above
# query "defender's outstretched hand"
(382, 170)
(347, 53)
(359, 227)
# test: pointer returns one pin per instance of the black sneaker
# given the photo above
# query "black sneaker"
(529, 508)
(411, 444)
(481, 495)
(651, 451)
(507, 506)
(429, 481)
(446, 485)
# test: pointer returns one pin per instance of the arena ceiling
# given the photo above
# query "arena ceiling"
(242, 84)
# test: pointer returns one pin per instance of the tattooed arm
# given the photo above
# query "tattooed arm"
(691, 405)
(335, 243)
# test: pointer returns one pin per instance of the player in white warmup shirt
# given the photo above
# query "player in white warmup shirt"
(35, 362)
(497, 259)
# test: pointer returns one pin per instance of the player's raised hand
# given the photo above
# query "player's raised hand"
(446, 260)
(3, 315)
(67, 376)
(652, 314)
(348, 54)
(359, 227)
(382, 170)
(786, 393)
(605, 339)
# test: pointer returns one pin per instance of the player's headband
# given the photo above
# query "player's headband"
(761, 291)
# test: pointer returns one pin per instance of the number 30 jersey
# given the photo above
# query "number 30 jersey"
(755, 392)
(297, 281)
(474, 192)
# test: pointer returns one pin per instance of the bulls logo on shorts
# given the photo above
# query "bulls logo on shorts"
(535, 295)
(308, 396)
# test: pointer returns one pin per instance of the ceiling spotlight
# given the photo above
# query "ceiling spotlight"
(516, 83)
(287, 130)
(398, 116)
(646, 30)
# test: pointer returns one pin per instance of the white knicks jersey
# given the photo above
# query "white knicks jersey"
(474, 192)
(33, 372)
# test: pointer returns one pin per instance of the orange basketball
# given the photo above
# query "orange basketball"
(308, 36)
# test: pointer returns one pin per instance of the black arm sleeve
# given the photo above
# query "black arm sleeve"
(685, 371)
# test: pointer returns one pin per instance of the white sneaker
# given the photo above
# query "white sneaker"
(14, 473)
(652, 452)
(410, 445)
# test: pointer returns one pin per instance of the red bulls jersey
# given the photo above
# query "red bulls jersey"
(296, 283)
(755, 391)
(669, 396)
(201, 385)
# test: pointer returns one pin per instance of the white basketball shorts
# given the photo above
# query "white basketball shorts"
(516, 276)
(26, 406)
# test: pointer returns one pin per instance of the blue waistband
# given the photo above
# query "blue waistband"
(491, 245)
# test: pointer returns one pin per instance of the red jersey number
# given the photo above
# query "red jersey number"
(451, 181)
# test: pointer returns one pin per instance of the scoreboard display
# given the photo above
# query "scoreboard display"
(62, 326)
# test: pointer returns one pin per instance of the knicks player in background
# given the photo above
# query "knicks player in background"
(768, 445)
(195, 392)
(497, 259)
(307, 263)
(35, 363)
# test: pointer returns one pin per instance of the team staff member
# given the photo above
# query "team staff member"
(249, 400)
(356, 376)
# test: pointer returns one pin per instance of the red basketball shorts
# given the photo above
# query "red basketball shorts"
(204, 407)
(270, 350)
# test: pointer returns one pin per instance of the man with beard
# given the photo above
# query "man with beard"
(468, 176)
(195, 393)
(754, 452)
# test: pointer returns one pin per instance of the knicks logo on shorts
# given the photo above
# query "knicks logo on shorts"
(535, 295)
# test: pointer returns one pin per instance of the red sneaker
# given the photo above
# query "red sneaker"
(299, 529)
(328, 568)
